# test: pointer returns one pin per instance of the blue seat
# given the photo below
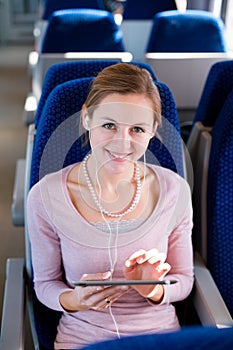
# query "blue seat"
(137, 22)
(56, 143)
(77, 34)
(62, 103)
(59, 125)
(65, 71)
(220, 202)
(199, 338)
(61, 72)
(136, 9)
(192, 31)
(211, 149)
(50, 6)
(218, 84)
(82, 30)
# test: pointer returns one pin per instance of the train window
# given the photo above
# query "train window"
(229, 24)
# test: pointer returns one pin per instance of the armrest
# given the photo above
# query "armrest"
(17, 208)
(30, 108)
(13, 316)
(208, 301)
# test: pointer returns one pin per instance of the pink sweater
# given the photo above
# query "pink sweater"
(59, 233)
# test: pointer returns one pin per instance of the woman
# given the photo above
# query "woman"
(112, 217)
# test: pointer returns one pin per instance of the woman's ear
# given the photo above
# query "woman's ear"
(85, 118)
(155, 126)
(86, 122)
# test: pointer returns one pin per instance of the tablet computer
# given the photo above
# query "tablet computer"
(121, 282)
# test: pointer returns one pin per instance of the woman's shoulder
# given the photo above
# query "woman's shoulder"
(167, 173)
(51, 180)
(170, 178)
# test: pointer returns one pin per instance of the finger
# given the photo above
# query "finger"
(106, 298)
(164, 267)
(96, 276)
(162, 270)
(152, 253)
(112, 298)
(132, 260)
(160, 258)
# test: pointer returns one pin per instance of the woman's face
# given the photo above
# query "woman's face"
(120, 130)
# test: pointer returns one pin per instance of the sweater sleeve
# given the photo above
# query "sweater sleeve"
(45, 250)
(180, 250)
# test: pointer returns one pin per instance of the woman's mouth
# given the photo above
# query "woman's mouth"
(118, 157)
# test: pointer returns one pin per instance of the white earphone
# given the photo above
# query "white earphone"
(86, 121)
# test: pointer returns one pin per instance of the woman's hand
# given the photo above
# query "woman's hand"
(147, 265)
(91, 298)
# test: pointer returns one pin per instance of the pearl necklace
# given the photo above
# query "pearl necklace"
(96, 200)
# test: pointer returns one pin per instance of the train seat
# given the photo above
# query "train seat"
(77, 34)
(50, 6)
(211, 150)
(218, 84)
(191, 43)
(205, 337)
(47, 7)
(59, 121)
(61, 72)
(134, 9)
(137, 23)
(220, 202)
(56, 74)
(92, 30)
(191, 31)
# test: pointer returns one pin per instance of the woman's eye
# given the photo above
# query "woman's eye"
(138, 129)
(109, 126)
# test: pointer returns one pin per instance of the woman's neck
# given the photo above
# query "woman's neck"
(120, 195)
(109, 182)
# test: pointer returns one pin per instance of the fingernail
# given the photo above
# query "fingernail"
(124, 287)
(127, 263)
(106, 274)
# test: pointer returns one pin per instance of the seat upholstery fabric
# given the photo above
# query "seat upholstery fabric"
(61, 72)
(220, 203)
(146, 9)
(195, 338)
(218, 85)
(51, 6)
(82, 30)
(192, 31)
(57, 144)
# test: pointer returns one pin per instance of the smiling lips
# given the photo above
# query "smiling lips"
(119, 157)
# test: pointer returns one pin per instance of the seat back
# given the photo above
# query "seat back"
(136, 9)
(58, 143)
(218, 84)
(195, 66)
(220, 203)
(188, 338)
(192, 31)
(65, 71)
(137, 23)
(51, 6)
(199, 146)
(82, 30)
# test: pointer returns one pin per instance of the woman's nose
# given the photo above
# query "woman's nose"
(123, 137)
(124, 132)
